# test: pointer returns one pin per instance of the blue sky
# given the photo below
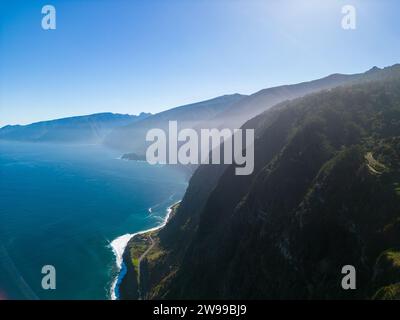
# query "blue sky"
(151, 55)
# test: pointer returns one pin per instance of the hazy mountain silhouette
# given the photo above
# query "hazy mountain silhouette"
(81, 129)
(132, 138)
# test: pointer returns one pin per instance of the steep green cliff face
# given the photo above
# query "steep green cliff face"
(325, 193)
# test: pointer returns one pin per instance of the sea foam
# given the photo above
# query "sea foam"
(119, 244)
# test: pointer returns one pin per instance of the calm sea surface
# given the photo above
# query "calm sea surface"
(63, 205)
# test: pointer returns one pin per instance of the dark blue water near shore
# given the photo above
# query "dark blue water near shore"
(62, 205)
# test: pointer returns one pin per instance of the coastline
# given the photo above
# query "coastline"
(118, 246)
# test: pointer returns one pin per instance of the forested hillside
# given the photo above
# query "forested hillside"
(325, 193)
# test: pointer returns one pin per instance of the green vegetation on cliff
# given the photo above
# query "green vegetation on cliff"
(387, 275)
(143, 252)
(324, 194)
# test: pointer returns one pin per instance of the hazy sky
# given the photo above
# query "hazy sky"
(147, 55)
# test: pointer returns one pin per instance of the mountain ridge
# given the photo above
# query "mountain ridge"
(324, 193)
(132, 138)
(237, 113)
(82, 129)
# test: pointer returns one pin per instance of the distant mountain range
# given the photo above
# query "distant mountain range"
(81, 129)
(132, 137)
(230, 111)
(127, 133)
(325, 193)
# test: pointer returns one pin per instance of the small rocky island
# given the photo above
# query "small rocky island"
(133, 156)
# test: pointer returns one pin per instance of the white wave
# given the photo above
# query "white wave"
(119, 244)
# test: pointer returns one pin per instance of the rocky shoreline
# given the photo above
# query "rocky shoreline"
(133, 284)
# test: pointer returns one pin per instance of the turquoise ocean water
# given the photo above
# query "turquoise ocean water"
(63, 205)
